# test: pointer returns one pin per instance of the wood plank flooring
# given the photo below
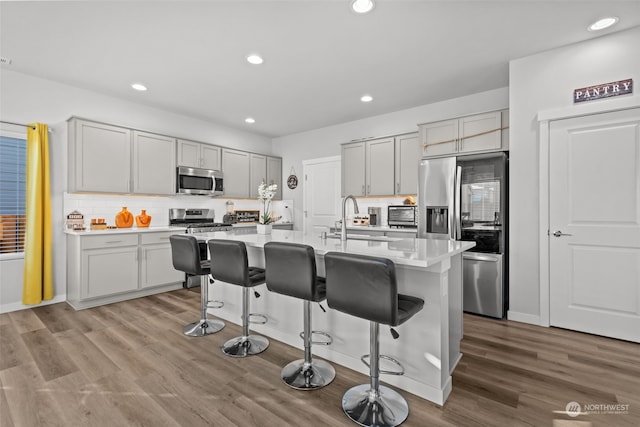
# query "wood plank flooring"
(128, 364)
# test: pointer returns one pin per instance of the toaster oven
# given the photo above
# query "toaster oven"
(402, 216)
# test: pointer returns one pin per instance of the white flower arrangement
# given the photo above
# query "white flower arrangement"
(265, 194)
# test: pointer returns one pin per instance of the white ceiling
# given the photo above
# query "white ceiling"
(320, 57)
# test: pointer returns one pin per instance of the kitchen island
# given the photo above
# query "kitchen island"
(429, 343)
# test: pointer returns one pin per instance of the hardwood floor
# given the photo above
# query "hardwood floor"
(128, 364)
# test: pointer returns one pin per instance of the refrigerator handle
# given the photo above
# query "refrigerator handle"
(457, 226)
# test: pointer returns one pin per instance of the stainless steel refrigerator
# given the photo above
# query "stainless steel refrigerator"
(465, 198)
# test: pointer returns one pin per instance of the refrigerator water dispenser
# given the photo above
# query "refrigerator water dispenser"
(438, 219)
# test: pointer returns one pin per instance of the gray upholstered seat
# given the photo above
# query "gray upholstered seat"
(366, 287)
(230, 264)
(291, 270)
(185, 255)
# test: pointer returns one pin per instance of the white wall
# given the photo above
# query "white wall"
(27, 99)
(325, 142)
(546, 82)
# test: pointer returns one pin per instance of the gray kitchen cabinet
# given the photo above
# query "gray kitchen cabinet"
(274, 174)
(470, 134)
(106, 268)
(99, 157)
(235, 169)
(154, 163)
(257, 173)
(368, 168)
(407, 158)
(380, 167)
(353, 169)
(199, 155)
(156, 263)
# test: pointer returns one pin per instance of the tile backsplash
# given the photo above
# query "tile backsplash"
(108, 205)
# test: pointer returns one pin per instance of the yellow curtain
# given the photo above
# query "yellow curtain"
(38, 270)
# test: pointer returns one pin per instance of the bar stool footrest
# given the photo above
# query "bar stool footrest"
(328, 341)
(214, 304)
(263, 318)
(400, 371)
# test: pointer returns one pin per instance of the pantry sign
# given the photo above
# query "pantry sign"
(605, 90)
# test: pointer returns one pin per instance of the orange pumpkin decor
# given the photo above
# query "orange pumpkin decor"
(124, 218)
(143, 220)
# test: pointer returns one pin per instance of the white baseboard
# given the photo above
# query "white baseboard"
(16, 306)
(524, 318)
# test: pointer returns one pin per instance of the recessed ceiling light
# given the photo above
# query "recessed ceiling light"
(603, 23)
(254, 59)
(362, 6)
(250, 120)
(366, 98)
(139, 86)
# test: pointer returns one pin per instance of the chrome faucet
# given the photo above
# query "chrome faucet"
(343, 230)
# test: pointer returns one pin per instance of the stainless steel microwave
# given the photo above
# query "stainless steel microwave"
(402, 216)
(202, 182)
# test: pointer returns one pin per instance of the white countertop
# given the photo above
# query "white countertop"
(414, 252)
(88, 232)
(382, 228)
(253, 224)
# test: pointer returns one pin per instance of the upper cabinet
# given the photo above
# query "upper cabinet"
(243, 172)
(235, 171)
(257, 173)
(199, 155)
(381, 167)
(274, 174)
(353, 169)
(478, 133)
(154, 164)
(99, 157)
(112, 159)
(407, 156)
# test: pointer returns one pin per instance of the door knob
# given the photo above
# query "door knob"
(559, 233)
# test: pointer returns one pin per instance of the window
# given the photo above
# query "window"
(12, 192)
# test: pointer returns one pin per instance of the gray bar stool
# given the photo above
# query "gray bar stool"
(185, 254)
(366, 287)
(291, 270)
(229, 263)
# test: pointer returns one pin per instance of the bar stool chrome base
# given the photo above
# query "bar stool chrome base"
(203, 327)
(386, 408)
(307, 376)
(245, 346)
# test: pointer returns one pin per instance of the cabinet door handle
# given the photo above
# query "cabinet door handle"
(368, 188)
(363, 193)
(398, 188)
(113, 241)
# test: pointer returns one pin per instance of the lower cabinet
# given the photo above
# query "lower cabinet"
(107, 268)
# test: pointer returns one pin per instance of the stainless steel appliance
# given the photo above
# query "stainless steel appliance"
(196, 221)
(465, 198)
(374, 216)
(202, 182)
(402, 216)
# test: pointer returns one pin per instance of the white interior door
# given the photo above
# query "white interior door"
(594, 218)
(321, 187)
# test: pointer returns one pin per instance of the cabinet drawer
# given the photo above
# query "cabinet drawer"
(107, 241)
(153, 238)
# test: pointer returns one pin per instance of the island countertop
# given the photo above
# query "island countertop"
(415, 252)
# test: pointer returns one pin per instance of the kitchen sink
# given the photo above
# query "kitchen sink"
(366, 237)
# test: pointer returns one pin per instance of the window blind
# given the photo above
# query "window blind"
(12, 194)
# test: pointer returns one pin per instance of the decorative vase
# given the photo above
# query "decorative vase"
(124, 218)
(264, 228)
(143, 220)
